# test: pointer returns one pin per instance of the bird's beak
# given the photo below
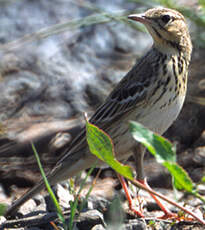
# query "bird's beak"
(140, 18)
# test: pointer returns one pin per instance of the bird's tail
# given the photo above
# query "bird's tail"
(68, 167)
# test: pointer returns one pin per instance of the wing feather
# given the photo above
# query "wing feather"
(130, 93)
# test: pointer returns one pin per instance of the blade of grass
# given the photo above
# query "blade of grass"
(52, 195)
(65, 26)
(74, 205)
(3, 209)
(89, 191)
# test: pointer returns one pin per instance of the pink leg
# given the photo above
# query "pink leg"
(167, 213)
(129, 198)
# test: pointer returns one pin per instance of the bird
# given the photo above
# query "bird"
(151, 93)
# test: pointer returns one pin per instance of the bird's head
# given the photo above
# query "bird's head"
(168, 29)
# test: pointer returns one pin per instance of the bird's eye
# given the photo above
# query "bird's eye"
(166, 18)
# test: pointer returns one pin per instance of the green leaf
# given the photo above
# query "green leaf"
(158, 146)
(100, 144)
(3, 208)
(181, 178)
(203, 179)
(202, 4)
(164, 153)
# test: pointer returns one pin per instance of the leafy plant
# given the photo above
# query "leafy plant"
(101, 145)
(73, 204)
(164, 153)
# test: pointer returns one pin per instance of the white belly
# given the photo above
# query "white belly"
(159, 120)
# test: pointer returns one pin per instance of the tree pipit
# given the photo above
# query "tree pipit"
(152, 93)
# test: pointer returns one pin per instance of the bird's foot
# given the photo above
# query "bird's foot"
(175, 216)
(167, 214)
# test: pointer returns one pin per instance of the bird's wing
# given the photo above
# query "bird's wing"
(130, 93)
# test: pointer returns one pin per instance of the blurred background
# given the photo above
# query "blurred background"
(61, 58)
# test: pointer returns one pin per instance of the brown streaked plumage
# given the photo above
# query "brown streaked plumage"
(152, 93)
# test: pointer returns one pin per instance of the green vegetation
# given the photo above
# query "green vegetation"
(101, 145)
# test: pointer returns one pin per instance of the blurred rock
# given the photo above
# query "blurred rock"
(135, 225)
(98, 227)
(89, 219)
